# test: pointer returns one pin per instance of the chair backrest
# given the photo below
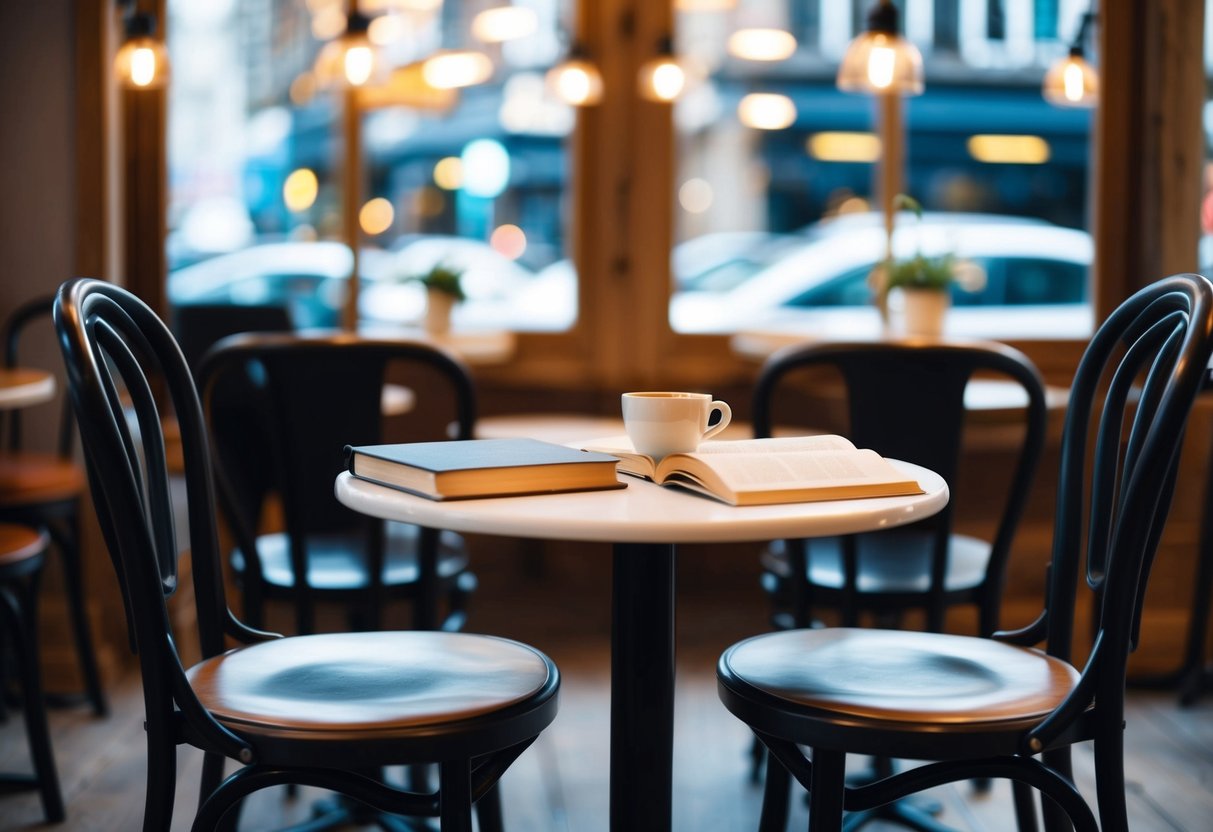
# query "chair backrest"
(11, 336)
(199, 326)
(316, 394)
(906, 400)
(1132, 394)
(125, 372)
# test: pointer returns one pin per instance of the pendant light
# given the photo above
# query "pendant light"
(880, 60)
(663, 78)
(1072, 81)
(142, 62)
(576, 80)
(351, 60)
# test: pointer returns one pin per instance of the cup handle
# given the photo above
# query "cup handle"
(726, 415)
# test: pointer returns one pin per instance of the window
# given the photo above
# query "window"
(770, 149)
(472, 178)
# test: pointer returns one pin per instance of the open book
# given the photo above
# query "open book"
(760, 471)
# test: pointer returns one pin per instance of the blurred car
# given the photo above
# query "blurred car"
(1036, 279)
(308, 278)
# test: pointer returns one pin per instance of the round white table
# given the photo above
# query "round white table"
(23, 388)
(644, 522)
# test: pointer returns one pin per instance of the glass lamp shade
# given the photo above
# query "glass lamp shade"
(576, 81)
(1072, 82)
(142, 63)
(662, 79)
(881, 62)
(351, 60)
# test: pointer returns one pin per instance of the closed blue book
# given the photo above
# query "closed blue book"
(463, 469)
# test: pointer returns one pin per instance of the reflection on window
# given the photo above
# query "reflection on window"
(794, 197)
(467, 177)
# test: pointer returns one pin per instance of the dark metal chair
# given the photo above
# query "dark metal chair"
(978, 707)
(281, 409)
(22, 551)
(905, 401)
(319, 710)
(44, 489)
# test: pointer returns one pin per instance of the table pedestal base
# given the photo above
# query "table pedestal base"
(642, 687)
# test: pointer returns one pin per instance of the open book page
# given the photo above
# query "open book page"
(791, 469)
(632, 462)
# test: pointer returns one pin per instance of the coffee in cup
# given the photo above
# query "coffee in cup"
(664, 423)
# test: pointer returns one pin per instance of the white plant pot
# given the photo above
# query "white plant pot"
(924, 311)
(438, 306)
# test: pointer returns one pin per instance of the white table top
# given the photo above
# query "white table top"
(22, 388)
(646, 513)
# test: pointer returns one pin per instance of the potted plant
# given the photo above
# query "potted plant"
(443, 289)
(924, 282)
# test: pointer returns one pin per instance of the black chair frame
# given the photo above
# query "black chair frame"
(113, 342)
(887, 378)
(1151, 354)
(60, 518)
(305, 454)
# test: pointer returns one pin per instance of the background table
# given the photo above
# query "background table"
(644, 521)
(23, 388)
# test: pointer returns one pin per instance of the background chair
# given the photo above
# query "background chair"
(317, 710)
(43, 489)
(988, 707)
(22, 551)
(905, 401)
(282, 408)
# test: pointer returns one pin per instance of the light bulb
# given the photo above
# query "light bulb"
(662, 79)
(359, 62)
(880, 66)
(142, 62)
(1072, 80)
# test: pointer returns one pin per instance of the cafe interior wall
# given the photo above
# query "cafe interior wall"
(67, 148)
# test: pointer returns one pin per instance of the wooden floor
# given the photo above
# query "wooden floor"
(560, 784)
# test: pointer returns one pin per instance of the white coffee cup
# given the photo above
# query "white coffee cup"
(660, 424)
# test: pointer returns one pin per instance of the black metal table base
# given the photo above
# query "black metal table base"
(642, 687)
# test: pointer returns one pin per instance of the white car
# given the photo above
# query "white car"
(1037, 280)
(308, 278)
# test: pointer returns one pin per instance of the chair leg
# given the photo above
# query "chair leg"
(1025, 806)
(161, 779)
(20, 614)
(455, 796)
(827, 789)
(775, 793)
(758, 758)
(488, 811)
(212, 775)
(1110, 781)
(67, 541)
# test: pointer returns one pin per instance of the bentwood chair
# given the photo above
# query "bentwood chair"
(281, 409)
(44, 488)
(905, 400)
(22, 552)
(318, 710)
(978, 707)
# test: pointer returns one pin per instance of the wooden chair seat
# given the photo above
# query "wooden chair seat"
(887, 681)
(336, 561)
(30, 478)
(20, 548)
(351, 687)
(889, 563)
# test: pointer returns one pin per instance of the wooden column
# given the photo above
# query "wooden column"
(1149, 147)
